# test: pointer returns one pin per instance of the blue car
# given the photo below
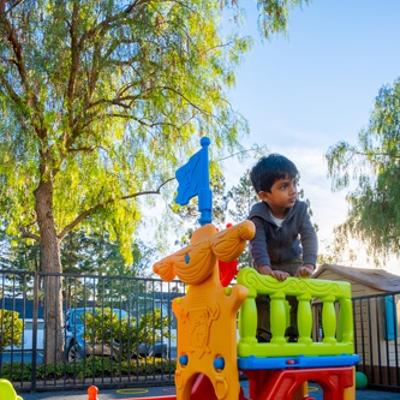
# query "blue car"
(76, 347)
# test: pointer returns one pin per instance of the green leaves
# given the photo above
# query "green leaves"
(125, 333)
(100, 97)
(274, 15)
(103, 100)
(11, 329)
(372, 171)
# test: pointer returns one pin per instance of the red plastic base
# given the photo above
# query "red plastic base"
(282, 384)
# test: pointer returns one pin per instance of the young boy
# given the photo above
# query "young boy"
(285, 243)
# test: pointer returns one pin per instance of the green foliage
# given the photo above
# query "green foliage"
(243, 197)
(124, 334)
(18, 254)
(274, 15)
(90, 368)
(371, 170)
(103, 101)
(96, 253)
(11, 329)
(81, 252)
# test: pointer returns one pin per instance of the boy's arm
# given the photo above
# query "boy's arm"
(258, 245)
(259, 254)
(309, 241)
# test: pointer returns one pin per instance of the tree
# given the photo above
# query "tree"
(17, 254)
(100, 101)
(373, 166)
(96, 253)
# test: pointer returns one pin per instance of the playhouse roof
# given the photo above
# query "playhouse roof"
(378, 279)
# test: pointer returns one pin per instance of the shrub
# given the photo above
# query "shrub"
(85, 369)
(124, 335)
(11, 328)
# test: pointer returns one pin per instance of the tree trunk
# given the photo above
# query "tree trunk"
(50, 264)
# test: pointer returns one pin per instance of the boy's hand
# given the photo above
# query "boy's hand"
(305, 271)
(277, 274)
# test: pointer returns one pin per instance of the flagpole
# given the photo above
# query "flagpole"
(205, 193)
(194, 180)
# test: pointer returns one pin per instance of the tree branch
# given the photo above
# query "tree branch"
(74, 60)
(100, 206)
(16, 45)
(27, 234)
(184, 98)
(235, 154)
(140, 121)
(32, 102)
(84, 149)
(21, 116)
(11, 6)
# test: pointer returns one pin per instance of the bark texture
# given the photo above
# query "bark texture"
(51, 264)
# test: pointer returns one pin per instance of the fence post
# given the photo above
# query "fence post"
(34, 329)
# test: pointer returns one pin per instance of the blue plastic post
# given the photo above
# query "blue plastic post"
(194, 180)
(205, 194)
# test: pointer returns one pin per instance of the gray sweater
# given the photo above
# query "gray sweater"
(295, 240)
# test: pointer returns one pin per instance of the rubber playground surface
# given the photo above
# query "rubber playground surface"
(169, 392)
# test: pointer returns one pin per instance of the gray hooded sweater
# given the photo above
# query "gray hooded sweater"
(295, 240)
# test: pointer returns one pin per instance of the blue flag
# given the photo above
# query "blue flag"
(193, 179)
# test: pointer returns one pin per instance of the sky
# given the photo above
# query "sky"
(315, 87)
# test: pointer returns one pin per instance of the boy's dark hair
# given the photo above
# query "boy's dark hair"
(269, 169)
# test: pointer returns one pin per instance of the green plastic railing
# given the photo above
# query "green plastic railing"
(337, 329)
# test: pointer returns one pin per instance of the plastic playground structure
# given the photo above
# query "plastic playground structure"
(209, 354)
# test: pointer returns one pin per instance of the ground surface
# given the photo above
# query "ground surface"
(138, 393)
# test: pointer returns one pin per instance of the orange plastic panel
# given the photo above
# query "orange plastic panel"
(207, 314)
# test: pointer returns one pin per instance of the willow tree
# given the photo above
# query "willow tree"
(371, 169)
(100, 101)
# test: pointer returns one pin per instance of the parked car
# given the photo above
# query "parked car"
(77, 347)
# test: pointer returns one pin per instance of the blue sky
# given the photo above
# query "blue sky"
(315, 87)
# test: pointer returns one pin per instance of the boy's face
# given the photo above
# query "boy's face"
(283, 193)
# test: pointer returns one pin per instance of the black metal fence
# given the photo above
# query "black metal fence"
(376, 339)
(127, 350)
(117, 332)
